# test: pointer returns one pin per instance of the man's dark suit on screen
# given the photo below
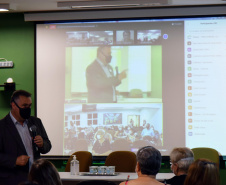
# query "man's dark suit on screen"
(11, 146)
(100, 87)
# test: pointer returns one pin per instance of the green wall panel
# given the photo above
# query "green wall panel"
(17, 45)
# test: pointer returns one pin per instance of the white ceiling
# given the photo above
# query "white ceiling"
(51, 5)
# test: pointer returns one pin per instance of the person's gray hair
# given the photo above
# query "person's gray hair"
(184, 163)
(183, 157)
(149, 159)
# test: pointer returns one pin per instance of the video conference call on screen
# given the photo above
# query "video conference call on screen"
(169, 66)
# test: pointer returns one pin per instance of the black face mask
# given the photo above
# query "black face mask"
(24, 112)
(107, 58)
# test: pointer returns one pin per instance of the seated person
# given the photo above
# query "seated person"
(148, 131)
(157, 138)
(181, 159)
(148, 165)
(131, 135)
(203, 172)
(119, 132)
(44, 172)
(108, 136)
(144, 123)
(102, 145)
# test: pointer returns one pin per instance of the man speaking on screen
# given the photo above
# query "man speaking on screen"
(100, 79)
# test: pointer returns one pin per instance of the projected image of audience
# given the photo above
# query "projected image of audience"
(85, 79)
(148, 36)
(110, 128)
(125, 37)
(79, 38)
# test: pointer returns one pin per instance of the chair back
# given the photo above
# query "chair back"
(207, 153)
(124, 161)
(84, 158)
(96, 182)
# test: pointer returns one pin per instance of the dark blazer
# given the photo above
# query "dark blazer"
(176, 180)
(99, 85)
(11, 146)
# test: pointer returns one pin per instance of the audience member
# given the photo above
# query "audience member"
(148, 131)
(102, 145)
(108, 136)
(148, 165)
(203, 172)
(157, 138)
(44, 172)
(181, 159)
(131, 135)
(144, 123)
(119, 132)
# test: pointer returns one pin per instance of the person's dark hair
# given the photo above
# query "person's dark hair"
(16, 94)
(149, 159)
(203, 172)
(28, 183)
(44, 173)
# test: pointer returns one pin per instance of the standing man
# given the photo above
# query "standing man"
(100, 79)
(22, 139)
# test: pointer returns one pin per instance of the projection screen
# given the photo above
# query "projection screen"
(173, 94)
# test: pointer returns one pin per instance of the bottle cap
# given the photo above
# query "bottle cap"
(74, 157)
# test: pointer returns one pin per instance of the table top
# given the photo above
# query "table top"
(122, 176)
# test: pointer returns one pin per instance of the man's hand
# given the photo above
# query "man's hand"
(38, 141)
(122, 75)
(22, 160)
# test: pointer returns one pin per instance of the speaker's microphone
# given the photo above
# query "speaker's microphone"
(33, 130)
(116, 69)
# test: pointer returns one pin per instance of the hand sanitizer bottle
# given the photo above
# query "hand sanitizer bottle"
(72, 165)
(76, 166)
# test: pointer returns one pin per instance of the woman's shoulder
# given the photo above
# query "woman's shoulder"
(122, 183)
(130, 182)
(140, 182)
